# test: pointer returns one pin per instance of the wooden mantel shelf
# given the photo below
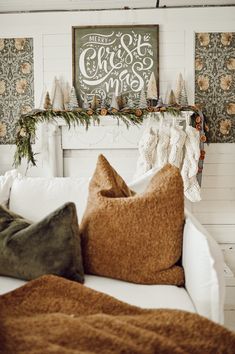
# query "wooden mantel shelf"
(110, 134)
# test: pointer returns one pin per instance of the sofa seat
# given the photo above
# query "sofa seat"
(151, 296)
(8, 284)
(145, 296)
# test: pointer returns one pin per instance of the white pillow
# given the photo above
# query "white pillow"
(139, 184)
(6, 182)
(35, 197)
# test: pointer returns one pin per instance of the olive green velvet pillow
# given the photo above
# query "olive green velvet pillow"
(50, 246)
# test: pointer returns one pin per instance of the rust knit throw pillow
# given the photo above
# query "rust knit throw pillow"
(134, 237)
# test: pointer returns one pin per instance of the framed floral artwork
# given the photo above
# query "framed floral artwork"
(16, 84)
(215, 83)
(116, 60)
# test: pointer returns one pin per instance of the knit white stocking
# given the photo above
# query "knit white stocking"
(147, 145)
(190, 165)
(177, 140)
(160, 156)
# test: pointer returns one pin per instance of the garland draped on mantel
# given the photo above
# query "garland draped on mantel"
(27, 123)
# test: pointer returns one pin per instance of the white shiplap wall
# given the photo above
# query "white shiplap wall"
(217, 208)
(53, 57)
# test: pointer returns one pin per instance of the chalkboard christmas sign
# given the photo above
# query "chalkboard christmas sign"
(115, 61)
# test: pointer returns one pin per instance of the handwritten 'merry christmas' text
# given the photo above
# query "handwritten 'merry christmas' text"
(115, 62)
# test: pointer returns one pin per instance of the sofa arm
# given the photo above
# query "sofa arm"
(203, 265)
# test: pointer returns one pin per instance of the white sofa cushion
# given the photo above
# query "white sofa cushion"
(151, 296)
(203, 266)
(35, 197)
(8, 284)
(6, 182)
(145, 296)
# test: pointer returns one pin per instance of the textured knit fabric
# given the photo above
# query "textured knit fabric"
(160, 156)
(190, 164)
(147, 145)
(137, 238)
(55, 315)
(50, 246)
(177, 140)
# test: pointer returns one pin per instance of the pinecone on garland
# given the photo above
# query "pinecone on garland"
(73, 102)
(138, 112)
(47, 102)
(103, 111)
(90, 112)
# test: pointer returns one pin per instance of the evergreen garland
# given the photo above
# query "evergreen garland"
(27, 123)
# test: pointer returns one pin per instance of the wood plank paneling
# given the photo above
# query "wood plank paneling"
(220, 149)
(217, 211)
(218, 181)
(229, 319)
(207, 206)
(208, 194)
(220, 158)
(219, 169)
(224, 234)
(217, 218)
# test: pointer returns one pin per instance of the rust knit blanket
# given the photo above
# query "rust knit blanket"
(54, 315)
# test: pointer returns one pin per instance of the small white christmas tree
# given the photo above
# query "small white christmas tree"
(171, 99)
(103, 103)
(142, 101)
(66, 93)
(85, 104)
(121, 101)
(53, 88)
(178, 89)
(183, 99)
(130, 103)
(95, 103)
(73, 102)
(47, 102)
(114, 103)
(152, 88)
(58, 99)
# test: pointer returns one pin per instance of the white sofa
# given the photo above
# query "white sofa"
(35, 197)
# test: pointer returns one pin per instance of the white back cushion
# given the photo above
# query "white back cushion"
(35, 197)
(203, 265)
(6, 182)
